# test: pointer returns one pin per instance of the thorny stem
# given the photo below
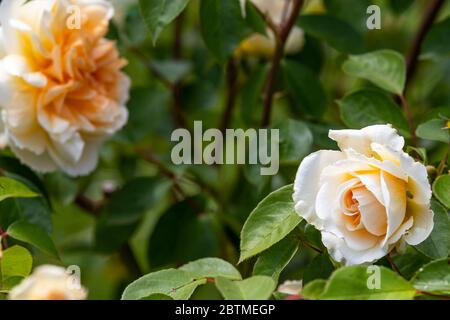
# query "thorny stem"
(178, 37)
(126, 252)
(429, 16)
(281, 34)
(435, 295)
(443, 163)
(232, 74)
(309, 245)
(165, 171)
(87, 204)
(393, 265)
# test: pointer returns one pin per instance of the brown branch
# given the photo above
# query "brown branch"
(434, 295)
(148, 156)
(429, 16)
(178, 37)
(281, 37)
(393, 265)
(177, 104)
(4, 240)
(232, 74)
(441, 167)
(268, 21)
(88, 205)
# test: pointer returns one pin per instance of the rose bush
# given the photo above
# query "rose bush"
(93, 92)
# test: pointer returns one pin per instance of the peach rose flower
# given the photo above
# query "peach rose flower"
(260, 45)
(61, 86)
(49, 283)
(367, 198)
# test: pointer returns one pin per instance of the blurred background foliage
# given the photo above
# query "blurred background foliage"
(138, 213)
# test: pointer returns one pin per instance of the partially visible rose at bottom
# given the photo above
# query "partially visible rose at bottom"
(49, 283)
(366, 199)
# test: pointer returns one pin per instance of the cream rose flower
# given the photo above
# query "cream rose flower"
(49, 283)
(366, 198)
(61, 86)
(260, 45)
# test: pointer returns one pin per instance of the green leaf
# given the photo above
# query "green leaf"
(437, 245)
(16, 262)
(385, 68)
(337, 33)
(434, 277)
(61, 187)
(368, 107)
(352, 12)
(273, 261)
(254, 20)
(144, 104)
(399, 6)
(296, 141)
(16, 170)
(305, 88)
(159, 13)
(128, 204)
(254, 288)
(351, 283)
(272, 219)
(157, 296)
(311, 235)
(125, 210)
(435, 129)
(212, 268)
(441, 189)
(421, 152)
(314, 289)
(177, 284)
(10, 188)
(436, 41)
(33, 210)
(34, 235)
(183, 233)
(172, 70)
(223, 26)
(320, 268)
(410, 261)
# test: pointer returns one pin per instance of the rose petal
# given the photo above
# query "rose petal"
(394, 195)
(306, 184)
(360, 140)
(341, 252)
(373, 213)
(423, 223)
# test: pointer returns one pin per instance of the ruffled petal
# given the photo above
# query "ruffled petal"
(423, 223)
(360, 140)
(307, 185)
